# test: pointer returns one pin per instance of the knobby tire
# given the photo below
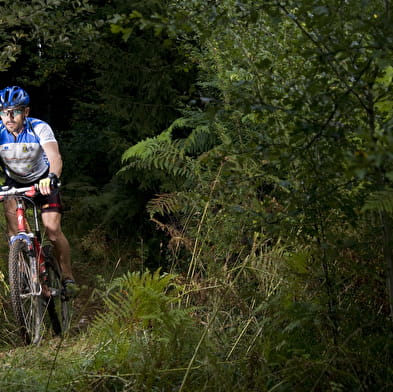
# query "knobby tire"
(27, 307)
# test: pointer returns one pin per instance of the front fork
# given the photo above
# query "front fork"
(43, 275)
(36, 256)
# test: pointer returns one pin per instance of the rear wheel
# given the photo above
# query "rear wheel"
(25, 295)
(59, 309)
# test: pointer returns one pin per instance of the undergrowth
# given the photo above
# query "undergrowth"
(252, 327)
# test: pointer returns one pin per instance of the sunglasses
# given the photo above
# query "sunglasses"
(11, 112)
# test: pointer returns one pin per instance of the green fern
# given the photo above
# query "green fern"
(142, 334)
(157, 153)
(147, 146)
(136, 301)
(200, 139)
(173, 157)
(380, 201)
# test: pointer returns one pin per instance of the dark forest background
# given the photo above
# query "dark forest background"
(228, 191)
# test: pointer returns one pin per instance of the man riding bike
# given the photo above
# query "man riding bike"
(29, 154)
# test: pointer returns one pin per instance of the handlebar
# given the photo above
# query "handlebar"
(29, 191)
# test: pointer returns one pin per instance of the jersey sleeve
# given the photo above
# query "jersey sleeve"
(45, 133)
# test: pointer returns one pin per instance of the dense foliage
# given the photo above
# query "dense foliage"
(243, 147)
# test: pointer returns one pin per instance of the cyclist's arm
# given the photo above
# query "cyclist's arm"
(52, 152)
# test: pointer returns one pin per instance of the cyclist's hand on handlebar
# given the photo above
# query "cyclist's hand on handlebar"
(48, 184)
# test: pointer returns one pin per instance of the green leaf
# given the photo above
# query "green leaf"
(379, 201)
(135, 14)
(386, 79)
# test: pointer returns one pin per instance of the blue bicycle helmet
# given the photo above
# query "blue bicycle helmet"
(13, 96)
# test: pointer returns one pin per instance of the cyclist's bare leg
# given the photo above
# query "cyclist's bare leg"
(10, 215)
(52, 223)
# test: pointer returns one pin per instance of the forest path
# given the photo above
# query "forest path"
(87, 304)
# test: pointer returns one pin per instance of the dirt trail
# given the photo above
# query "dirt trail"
(87, 304)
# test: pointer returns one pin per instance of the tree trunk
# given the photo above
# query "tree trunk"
(388, 256)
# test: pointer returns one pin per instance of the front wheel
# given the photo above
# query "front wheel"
(25, 293)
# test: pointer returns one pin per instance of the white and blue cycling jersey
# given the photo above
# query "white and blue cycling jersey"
(23, 157)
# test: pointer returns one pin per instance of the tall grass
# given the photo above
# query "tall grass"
(154, 339)
(259, 323)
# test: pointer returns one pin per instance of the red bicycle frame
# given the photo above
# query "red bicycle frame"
(38, 268)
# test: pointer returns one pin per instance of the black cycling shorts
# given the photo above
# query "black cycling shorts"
(47, 203)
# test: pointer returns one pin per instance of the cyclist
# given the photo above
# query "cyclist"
(29, 154)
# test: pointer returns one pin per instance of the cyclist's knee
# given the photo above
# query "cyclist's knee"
(56, 237)
(53, 232)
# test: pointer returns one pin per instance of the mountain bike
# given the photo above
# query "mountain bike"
(37, 295)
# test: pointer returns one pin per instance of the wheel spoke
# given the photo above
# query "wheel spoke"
(25, 294)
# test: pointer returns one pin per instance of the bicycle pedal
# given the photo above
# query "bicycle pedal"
(54, 292)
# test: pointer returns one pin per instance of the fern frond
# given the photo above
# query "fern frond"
(158, 153)
(180, 122)
(200, 140)
(136, 300)
(146, 148)
(380, 201)
(201, 137)
(162, 204)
